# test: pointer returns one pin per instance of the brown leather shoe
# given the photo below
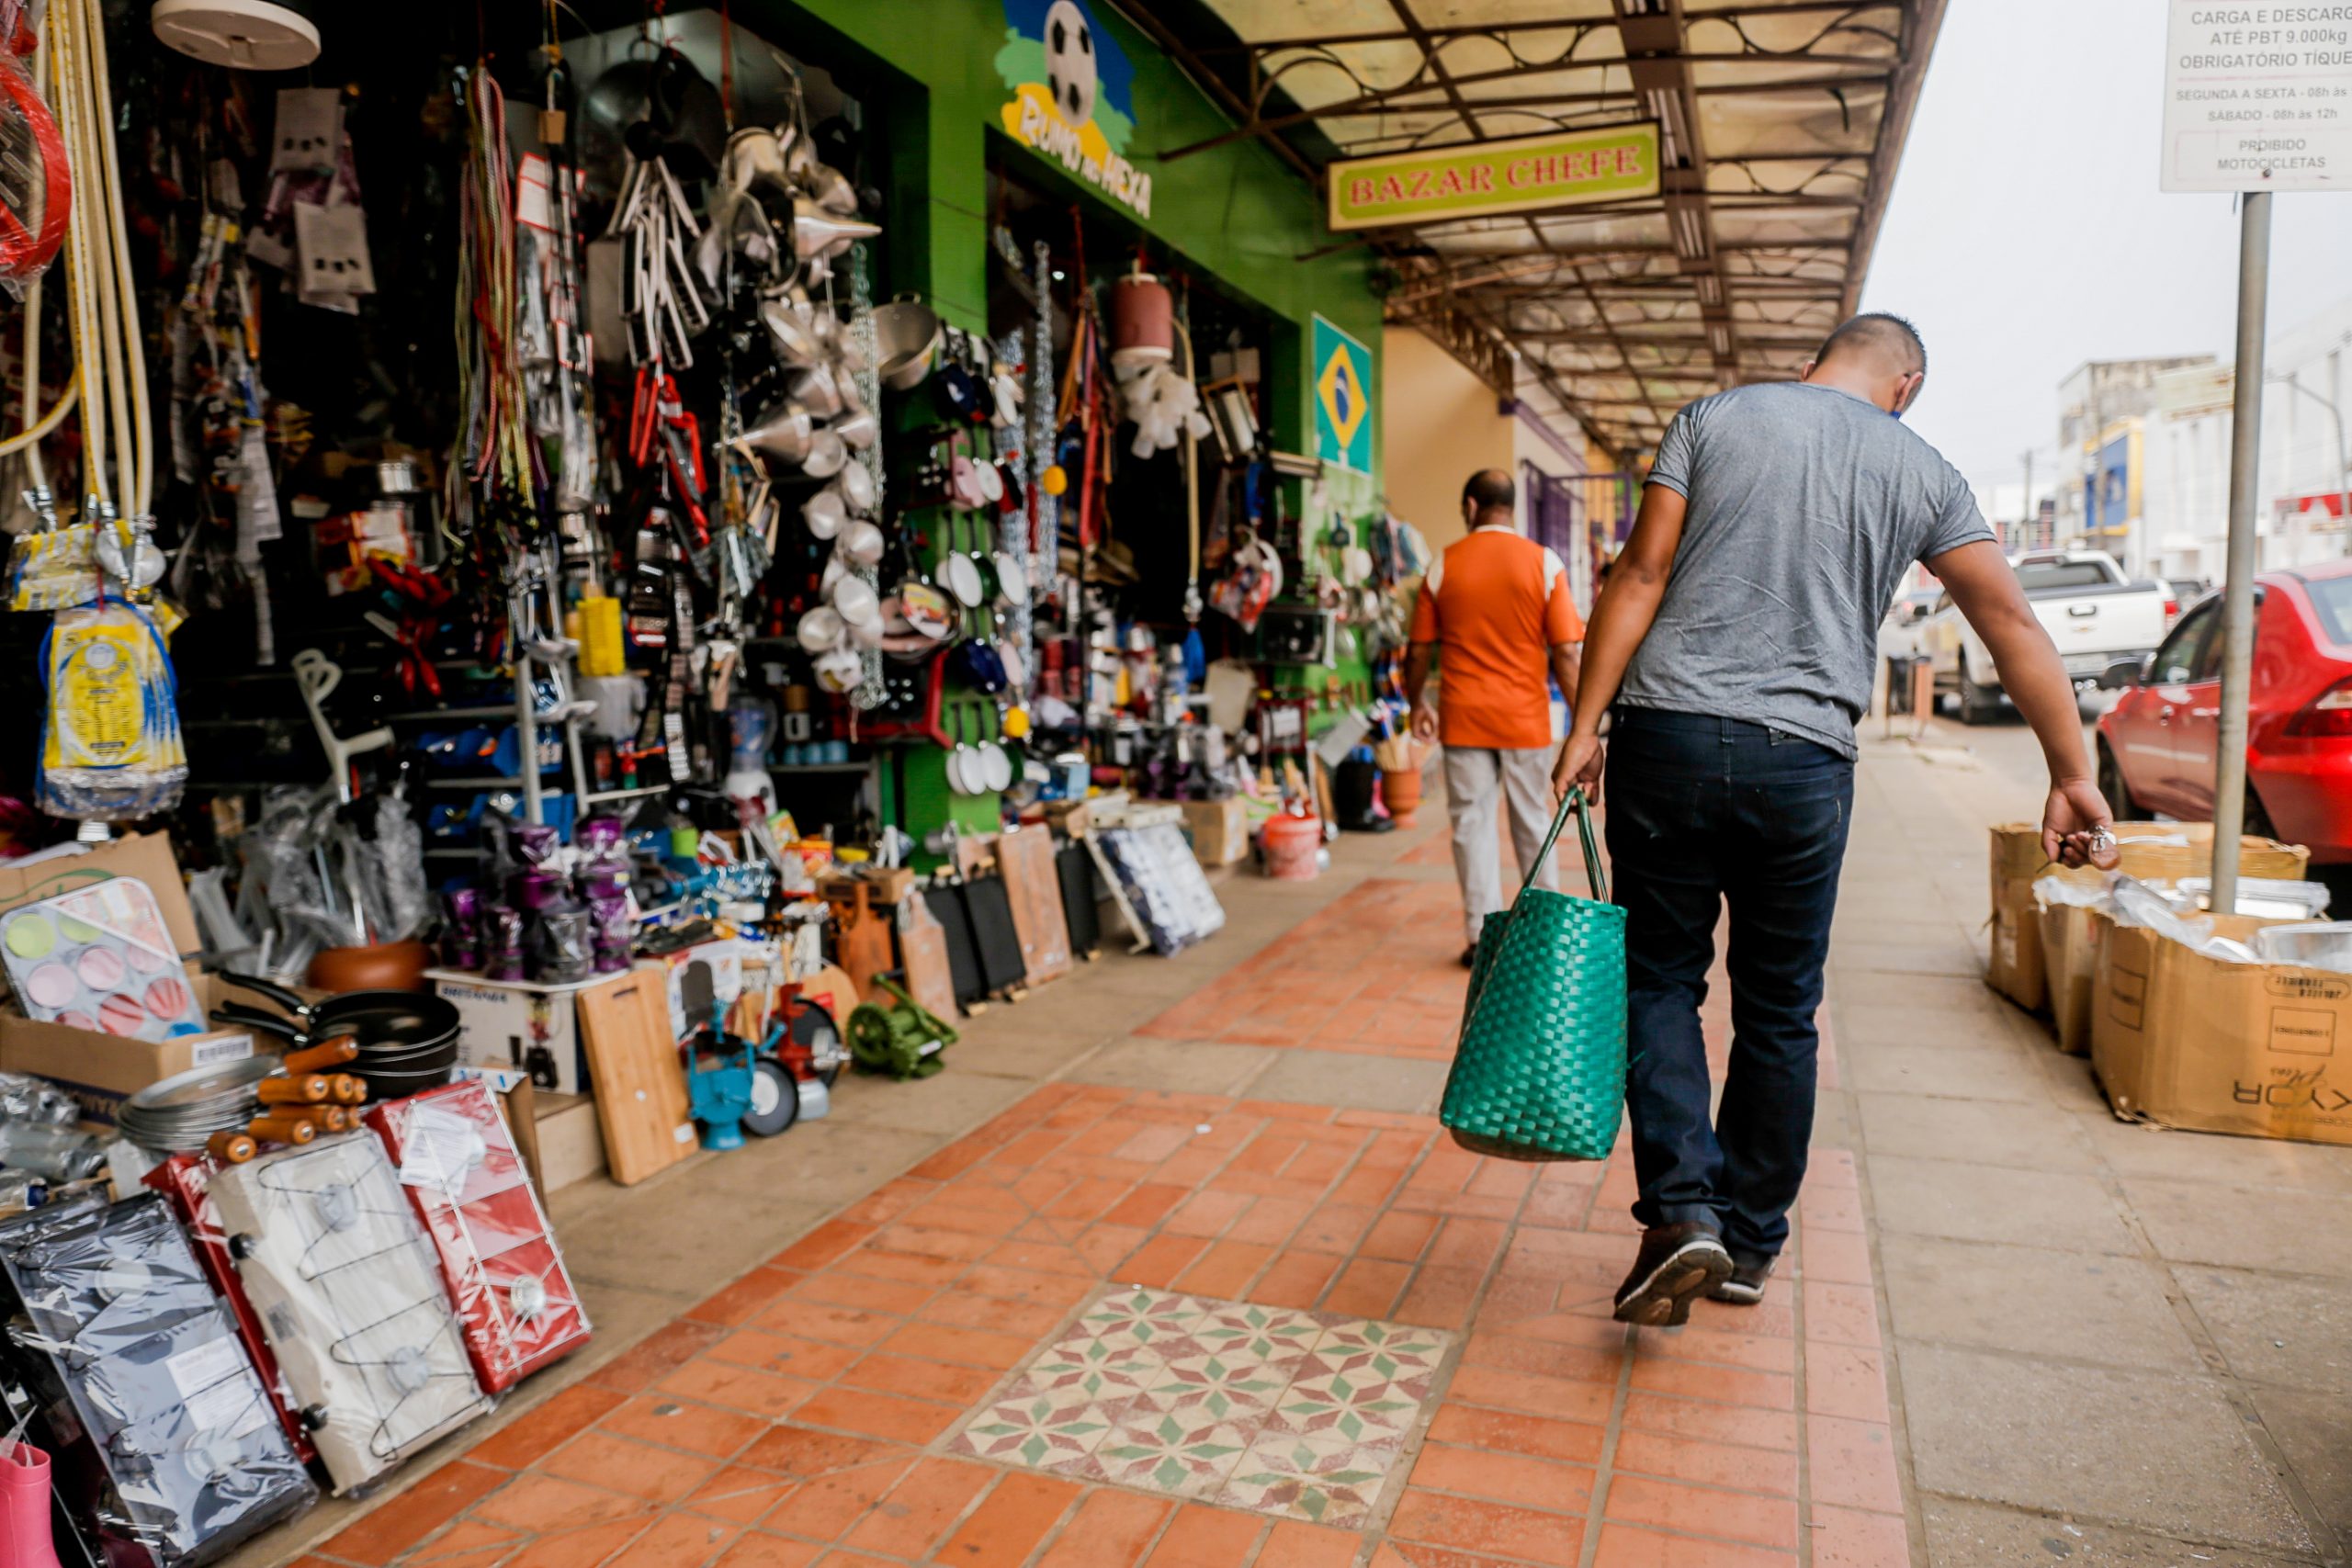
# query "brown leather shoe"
(1744, 1286)
(1677, 1265)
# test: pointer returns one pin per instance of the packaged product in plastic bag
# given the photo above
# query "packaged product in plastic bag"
(111, 743)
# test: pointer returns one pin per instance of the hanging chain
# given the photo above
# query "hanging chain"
(869, 691)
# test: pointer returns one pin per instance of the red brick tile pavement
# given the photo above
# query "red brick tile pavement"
(792, 1419)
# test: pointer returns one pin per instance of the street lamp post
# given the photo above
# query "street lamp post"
(2294, 379)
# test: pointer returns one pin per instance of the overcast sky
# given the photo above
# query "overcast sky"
(2026, 235)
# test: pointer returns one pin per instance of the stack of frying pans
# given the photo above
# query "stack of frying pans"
(408, 1040)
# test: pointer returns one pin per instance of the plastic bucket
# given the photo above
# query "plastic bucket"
(1292, 844)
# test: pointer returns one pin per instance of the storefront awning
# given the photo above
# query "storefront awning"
(1779, 124)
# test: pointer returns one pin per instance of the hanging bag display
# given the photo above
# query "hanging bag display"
(1539, 1072)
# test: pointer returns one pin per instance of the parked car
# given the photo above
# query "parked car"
(2157, 746)
(2095, 615)
(1899, 635)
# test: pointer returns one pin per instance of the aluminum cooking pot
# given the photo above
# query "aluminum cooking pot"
(906, 334)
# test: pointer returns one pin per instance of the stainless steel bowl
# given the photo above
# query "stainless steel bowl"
(906, 334)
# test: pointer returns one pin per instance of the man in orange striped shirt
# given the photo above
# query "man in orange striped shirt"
(1496, 608)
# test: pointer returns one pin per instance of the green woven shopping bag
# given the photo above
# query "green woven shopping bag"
(1539, 1072)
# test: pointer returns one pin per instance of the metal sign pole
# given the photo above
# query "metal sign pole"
(2238, 592)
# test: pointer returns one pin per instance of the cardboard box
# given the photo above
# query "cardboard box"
(515, 1023)
(2153, 852)
(2181, 1039)
(2070, 954)
(100, 1070)
(1220, 831)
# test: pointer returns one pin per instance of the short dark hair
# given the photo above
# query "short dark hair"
(1883, 330)
(1490, 490)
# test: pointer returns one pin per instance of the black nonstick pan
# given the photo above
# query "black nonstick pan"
(386, 1023)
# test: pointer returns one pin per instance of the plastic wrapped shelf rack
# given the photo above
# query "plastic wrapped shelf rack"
(187, 1180)
(351, 1300)
(165, 1446)
(467, 1181)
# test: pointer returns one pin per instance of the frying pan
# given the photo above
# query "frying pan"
(387, 1023)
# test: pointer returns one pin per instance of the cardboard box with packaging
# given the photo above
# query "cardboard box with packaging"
(2153, 852)
(2182, 1040)
(100, 1070)
(1220, 831)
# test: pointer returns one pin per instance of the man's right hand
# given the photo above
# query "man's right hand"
(1580, 763)
(2075, 825)
(1424, 723)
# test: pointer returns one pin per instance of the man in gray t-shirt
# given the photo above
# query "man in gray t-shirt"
(1804, 506)
(1734, 646)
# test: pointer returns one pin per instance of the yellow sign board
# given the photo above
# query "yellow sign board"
(1480, 179)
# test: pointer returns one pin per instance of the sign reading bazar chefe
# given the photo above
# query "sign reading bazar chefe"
(1478, 179)
(2258, 95)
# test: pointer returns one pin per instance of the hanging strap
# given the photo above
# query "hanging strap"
(1593, 876)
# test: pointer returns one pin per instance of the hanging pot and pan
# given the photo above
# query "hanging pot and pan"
(907, 335)
(825, 512)
(818, 232)
(828, 454)
(1011, 581)
(790, 333)
(817, 391)
(856, 482)
(860, 429)
(782, 435)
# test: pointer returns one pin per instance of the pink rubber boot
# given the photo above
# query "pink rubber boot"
(25, 1539)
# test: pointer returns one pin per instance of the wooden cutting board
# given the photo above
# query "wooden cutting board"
(862, 942)
(1034, 883)
(639, 1083)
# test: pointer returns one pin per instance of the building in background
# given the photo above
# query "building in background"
(2300, 510)
(2101, 491)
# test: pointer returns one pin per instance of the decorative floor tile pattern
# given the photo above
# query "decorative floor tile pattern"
(813, 1414)
(1287, 1411)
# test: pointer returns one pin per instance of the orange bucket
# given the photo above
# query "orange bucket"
(1290, 846)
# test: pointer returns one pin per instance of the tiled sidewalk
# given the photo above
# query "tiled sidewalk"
(1120, 1328)
(811, 1413)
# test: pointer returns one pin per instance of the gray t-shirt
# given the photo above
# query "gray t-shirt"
(1806, 505)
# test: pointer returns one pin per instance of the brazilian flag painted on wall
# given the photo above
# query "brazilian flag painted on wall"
(1342, 399)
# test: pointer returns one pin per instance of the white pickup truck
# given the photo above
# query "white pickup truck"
(2098, 617)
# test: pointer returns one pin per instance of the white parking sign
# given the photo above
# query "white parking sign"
(2258, 95)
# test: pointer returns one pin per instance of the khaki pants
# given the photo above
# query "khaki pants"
(1477, 779)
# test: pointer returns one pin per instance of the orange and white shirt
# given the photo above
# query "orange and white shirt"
(1496, 603)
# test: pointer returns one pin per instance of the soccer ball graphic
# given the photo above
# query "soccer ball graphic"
(1069, 61)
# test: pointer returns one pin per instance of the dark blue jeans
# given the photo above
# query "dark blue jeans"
(1705, 812)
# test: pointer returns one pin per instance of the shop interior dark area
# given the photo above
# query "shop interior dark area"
(546, 644)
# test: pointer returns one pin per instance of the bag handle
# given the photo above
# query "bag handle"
(1594, 878)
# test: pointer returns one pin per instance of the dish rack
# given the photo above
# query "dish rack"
(466, 1182)
(162, 1437)
(351, 1300)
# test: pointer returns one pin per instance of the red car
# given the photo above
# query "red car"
(2156, 746)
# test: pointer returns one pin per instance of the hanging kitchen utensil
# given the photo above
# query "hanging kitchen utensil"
(782, 435)
(857, 488)
(817, 232)
(907, 335)
(828, 454)
(995, 762)
(957, 569)
(961, 778)
(825, 512)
